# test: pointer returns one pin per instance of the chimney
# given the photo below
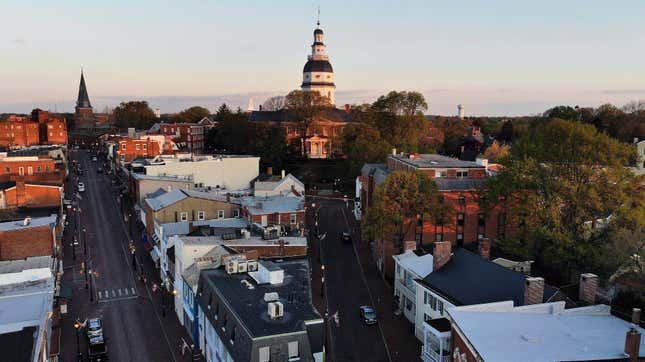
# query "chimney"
(484, 248)
(588, 287)
(533, 290)
(441, 254)
(636, 316)
(281, 247)
(260, 107)
(635, 139)
(228, 197)
(409, 245)
(283, 173)
(269, 170)
(347, 107)
(633, 344)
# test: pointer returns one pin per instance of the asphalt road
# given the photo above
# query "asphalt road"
(133, 328)
(346, 288)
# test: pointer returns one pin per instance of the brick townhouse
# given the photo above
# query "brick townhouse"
(275, 210)
(31, 169)
(28, 237)
(189, 137)
(459, 183)
(130, 149)
(40, 129)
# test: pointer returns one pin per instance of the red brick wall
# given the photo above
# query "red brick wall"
(23, 243)
(33, 196)
(55, 132)
(192, 135)
(12, 168)
(131, 152)
(19, 131)
(272, 219)
(457, 342)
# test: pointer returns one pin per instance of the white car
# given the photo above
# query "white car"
(94, 158)
(81, 187)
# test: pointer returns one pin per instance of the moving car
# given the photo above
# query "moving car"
(346, 237)
(97, 348)
(81, 187)
(94, 327)
(368, 314)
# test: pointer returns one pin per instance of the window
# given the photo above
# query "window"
(293, 219)
(21, 171)
(481, 219)
(138, 146)
(47, 168)
(441, 307)
(460, 236)
(30, 170)
(462, 200)
(184, 216)
(7, 169)
(201, 215)
(418, 238)
(462, 174)
(220, 214)
(501, 224)
(145, 146)
(123, 146)
(265, 354)
(236, 213)
(293, 350)
(460, 219)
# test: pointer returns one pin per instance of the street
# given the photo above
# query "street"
(345, 287)
(134, 328)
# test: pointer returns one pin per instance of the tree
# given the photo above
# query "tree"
(305, 106)
(562, 185)
(496, 152)
(404, 197)
(135, 114)
(363, 144)
(192, 114)
(562, 112)
(274, 103)
(506, 133)
(399, 118)
(401, 103)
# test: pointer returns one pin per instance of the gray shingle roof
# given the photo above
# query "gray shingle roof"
(166, 199)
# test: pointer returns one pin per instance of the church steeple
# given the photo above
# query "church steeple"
(83, 100)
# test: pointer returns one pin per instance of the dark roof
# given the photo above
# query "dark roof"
(285, 115)
(318, 66)
(469, 279)
(440, 324)
(318, 31)
(459, 184)
(170, 252)
(83, 100)
(249, 306)
(18, 346)
(7, 184)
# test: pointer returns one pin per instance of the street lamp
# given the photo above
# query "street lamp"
(79, 355)
(91, 273)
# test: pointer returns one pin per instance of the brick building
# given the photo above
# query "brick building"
(130, 149)
(459, 183)
(29, 237)
(31, 169)
(275, 210)
(21, 194)
(189, 137)
(18, 131)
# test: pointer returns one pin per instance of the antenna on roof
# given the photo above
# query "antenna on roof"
(318, 22)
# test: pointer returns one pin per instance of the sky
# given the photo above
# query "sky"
(495, 57)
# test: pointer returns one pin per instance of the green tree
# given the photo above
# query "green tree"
(562, 112)
(135, 114)
(305, 106)
(562, 184)
(400, 120)
(363, 144)
(192, 114)
(396, 205)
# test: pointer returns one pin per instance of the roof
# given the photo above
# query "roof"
(19, 346)
(272, 185)
(555, 334)
(83, 100)
(249, 306)
(154, 194)
(435, 161)
(314, 65)
(233, 222)
(207, 195)
(459, 184)
(211, 260)
(178, 178)
(273, 204)
(166, 199)
(469, 279)
(33, 223)
(33, 262)
(286, 115)
(419, 265)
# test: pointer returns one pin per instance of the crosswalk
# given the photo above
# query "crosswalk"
(108, 295)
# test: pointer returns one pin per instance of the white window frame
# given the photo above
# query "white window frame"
(21, 171)
(145, 146)
(201, 215)
(293, 218)
(236, 212)
(183, 216)
(30, 170)
(264, 354)
(293, 351)
(220, 214)
(123, 146)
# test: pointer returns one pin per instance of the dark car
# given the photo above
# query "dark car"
(346, 237)
(368, 314)
(94, 327)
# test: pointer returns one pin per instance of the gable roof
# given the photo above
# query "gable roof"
(272, 185)
(469, 279)
(166, 199)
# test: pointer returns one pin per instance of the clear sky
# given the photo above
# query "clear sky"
(496, 57)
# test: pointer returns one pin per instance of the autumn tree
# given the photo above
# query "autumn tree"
(305, 106)
(496, 152)
(397, 203)
(565, 185)
(135, 114)
(192, 114)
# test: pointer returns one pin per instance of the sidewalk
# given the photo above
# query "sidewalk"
(398, 331)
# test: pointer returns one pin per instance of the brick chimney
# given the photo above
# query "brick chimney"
(484, 248)
(588, 287)
(269, 170)
(533, 290)
(21, 194)
(633, 344)
(347, 107)
(441, 254)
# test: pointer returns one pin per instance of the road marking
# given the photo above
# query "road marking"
(119, 292)
(100, 295)
(133, 291)
(113, 293)
(118, 299)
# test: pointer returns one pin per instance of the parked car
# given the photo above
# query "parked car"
(81, 187)
(97, 348)
(346, 237)
(94, 158)
(368, 314)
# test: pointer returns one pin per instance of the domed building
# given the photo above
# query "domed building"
(318, 74)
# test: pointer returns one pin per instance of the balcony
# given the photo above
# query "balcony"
(430, 355)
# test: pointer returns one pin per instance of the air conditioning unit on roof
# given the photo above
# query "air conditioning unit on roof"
(252, 266)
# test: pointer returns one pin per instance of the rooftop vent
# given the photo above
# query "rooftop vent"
(247, 284)
(276, 310)
(26, 221)
(271, 297)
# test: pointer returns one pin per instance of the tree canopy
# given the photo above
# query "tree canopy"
(135, 114)
(192, 114)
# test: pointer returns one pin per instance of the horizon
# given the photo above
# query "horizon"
(508, 60)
